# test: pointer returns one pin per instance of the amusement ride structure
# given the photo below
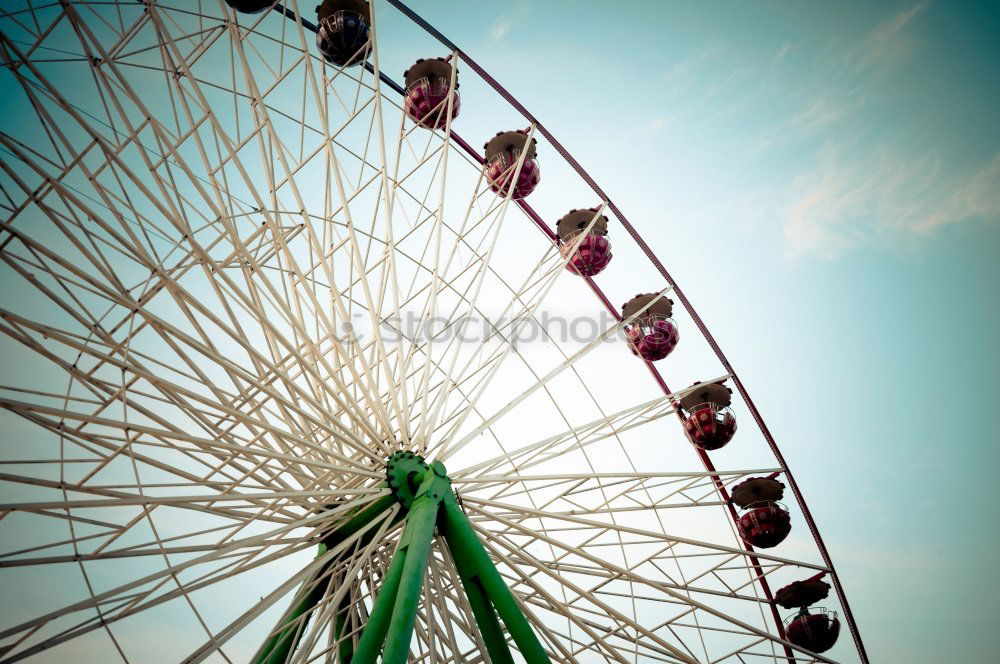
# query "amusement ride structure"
(243, 244)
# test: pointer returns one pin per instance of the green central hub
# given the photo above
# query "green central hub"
(428, 504)
(406, 471)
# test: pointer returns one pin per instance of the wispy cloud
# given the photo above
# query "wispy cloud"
(882, 198)
(507, 20)
(652, 126)
(845, 82)
(891, 41)
(864, 185)
(685, 70)
(787, 47)
(817, 112)
(976, 197)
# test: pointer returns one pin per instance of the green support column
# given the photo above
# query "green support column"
(278, 647)
(341, 623)
(461, 537)
(373, 635)
(401, 599)
(295, 620)
(425, 493)
(486, 617)
(360, 520)
(423, 515)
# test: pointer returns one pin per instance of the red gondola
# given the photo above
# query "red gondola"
(502, 154)
(765, 522)
(251, 6)
(343, 31)
(816, 631)
(708, 420)
(428, 84)
(591, 254)
(653, 333)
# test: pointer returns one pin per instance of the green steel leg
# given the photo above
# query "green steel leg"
(392, 616)
(281, 644)
(486, 617)
(373, 635)
(341, 625)
(278, 647)
(390, 624)
(359, 521)
(422, 517)
(463, 539)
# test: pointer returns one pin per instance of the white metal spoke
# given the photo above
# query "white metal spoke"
(236, 279)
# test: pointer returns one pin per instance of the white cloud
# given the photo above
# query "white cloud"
(819, 111)
(509, 18)
(882, 198)
(859, 189)
(976, 197)
(653, 126)
(784, 50)
(891, 41)
(845, 82)
(688, 68)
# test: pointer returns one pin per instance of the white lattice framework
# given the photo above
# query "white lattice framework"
(211, 242)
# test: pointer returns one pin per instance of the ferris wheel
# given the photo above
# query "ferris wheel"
(283, 382)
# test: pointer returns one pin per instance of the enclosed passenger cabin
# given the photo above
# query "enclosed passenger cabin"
(344, 31)
(798, 594)
(250, 6)
(502, 154)
(816, 630)
(765, 522)
(428, 84)
(653, 333)
(591, 253)
(708, 420)
(812, 628)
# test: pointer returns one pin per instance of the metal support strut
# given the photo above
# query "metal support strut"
(428, 502)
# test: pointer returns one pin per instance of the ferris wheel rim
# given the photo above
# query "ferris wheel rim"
(529, 207)
(647, 250)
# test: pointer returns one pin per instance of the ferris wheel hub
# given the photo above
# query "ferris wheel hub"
(407, 472)
(255, 299)
(431, 509)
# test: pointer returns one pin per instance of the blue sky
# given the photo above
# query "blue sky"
(824, 181)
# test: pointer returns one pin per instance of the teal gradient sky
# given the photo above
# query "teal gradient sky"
(823, 179)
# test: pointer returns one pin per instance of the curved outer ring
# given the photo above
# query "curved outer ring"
(540, 223)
